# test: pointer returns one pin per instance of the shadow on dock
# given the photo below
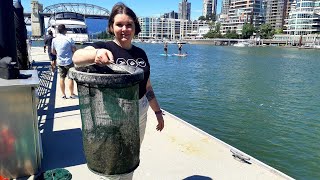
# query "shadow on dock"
(61, 148)
(197, 177)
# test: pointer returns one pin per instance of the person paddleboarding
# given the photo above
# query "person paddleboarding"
(179, 47)
(165, 48)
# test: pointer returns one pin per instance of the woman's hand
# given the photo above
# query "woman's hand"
(160, 125)
(89, 55)
(103, 56)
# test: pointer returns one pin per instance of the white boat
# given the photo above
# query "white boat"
(242, 44)
(75, 25)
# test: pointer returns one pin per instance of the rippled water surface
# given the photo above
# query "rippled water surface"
(264, 101)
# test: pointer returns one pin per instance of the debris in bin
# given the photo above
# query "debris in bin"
(102, 153)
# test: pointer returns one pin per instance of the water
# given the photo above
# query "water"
(263, 101)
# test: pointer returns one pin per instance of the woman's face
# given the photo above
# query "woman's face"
(123, 29)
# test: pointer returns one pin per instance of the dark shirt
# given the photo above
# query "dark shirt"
(48, 42)
(133, 57)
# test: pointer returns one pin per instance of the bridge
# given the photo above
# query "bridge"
(36, 17)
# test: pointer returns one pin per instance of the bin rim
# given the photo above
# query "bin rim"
(114, 80)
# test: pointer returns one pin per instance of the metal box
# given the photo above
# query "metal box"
(20, 144)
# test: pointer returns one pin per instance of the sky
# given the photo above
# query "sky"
(142, 8)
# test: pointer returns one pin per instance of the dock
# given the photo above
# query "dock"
(180, 151)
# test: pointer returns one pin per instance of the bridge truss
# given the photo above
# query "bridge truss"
(89, 10)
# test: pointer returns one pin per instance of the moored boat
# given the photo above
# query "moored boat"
(75, 25)
(241, 44)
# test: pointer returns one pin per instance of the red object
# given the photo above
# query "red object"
(3, 178)
(7, 141)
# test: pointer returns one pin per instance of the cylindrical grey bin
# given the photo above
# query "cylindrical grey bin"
(109, 106)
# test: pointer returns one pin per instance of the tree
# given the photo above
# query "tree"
(231, 34)
(266, 31)
(211, 26)
(278, 31)
(210, 17)
(104, 35)
(210, 34)
(214, 31)
(247, 30)
(217, 27)
(202, 18)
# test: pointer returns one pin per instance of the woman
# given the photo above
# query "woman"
(124, 25)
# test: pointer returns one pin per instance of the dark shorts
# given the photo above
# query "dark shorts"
(165, 49)
(180, 49)
(52, 57)
(63, 70)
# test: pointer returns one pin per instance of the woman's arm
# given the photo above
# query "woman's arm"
(154, 106)
(90, 55)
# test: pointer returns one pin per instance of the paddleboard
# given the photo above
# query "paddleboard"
(165, 54)
(180, 55)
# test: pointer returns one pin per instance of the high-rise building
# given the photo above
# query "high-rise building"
(225, 6)
(168, 28)
(304, 17)
(241, 12)
(276, 13)
(171, 14)
(184, 10)
(287, 11)
(209, 8)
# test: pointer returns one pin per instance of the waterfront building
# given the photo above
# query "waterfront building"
(311, 39)
(209, 8)
(304, 17)
(172, 14)
(225, 6)
(290, 6)
(241, 12)
(172, 29)
(184, 10)
(276, 13)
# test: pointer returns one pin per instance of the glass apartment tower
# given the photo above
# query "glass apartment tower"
(225, 6)
(184, 10)
(241, 12)
(304, 17)
(209, 7)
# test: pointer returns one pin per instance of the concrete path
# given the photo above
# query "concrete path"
(180, 151)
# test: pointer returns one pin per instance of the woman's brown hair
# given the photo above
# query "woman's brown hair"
(121, 8)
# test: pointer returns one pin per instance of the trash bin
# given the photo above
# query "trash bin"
(109, 107)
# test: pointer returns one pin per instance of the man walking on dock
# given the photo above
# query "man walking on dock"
(47, 45)
(64, 48)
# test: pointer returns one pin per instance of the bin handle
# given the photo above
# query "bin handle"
(130, 72)
(121, 68)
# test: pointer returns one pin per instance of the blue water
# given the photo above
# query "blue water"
(264, 101)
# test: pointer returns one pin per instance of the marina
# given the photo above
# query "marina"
(231, 105)
(256, 124)
(181, 151)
